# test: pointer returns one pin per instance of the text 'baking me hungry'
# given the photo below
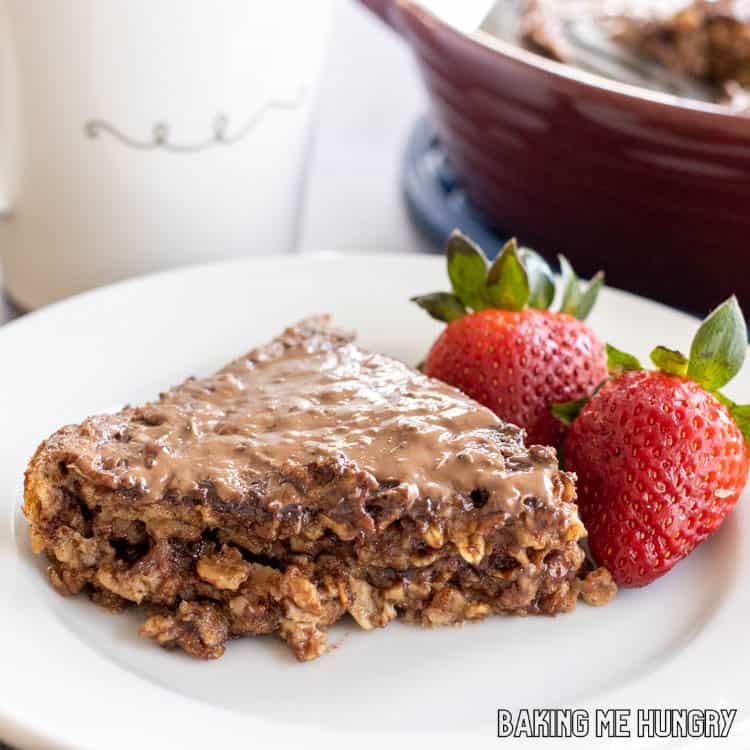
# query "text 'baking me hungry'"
(615, 722)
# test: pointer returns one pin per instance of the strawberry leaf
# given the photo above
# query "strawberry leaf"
(541, 280)
(721, 398)
(670, 360)
(467, 270)
(571, 287)
(741, 415)
(719, 347)
(588, 298)
(442, 306)
(618, 361)
(577, 300)
(567, 411)
(507, 285)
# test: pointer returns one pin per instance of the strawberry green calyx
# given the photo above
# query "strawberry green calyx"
(507, 284)
(717, 351)
(441, 306)
(568, 410)
(467, 270)
(518, 279)
(741, 416)
(719, 347)
(541, 279)
(577, 300)
(618, 361)
(717, 354)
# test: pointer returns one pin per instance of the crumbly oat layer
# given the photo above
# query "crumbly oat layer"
(224, 529)
(707, 39)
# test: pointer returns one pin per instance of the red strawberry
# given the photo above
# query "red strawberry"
(513, 354)
(518, 363)
(660, 456)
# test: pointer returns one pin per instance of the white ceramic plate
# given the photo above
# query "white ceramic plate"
(74, 676)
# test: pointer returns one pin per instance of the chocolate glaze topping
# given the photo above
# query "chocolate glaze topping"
(308, 396)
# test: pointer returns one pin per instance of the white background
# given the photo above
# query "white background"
(369, 98)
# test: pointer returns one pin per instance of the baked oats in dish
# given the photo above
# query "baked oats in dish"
(706, 39)
(703, 41)
(306, 480)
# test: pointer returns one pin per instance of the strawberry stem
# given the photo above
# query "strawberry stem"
(670, 360)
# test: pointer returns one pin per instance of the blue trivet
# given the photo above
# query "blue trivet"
(436, 201)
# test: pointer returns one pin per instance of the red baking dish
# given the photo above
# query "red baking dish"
(651, 187)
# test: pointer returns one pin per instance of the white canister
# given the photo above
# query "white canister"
(137, 135)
